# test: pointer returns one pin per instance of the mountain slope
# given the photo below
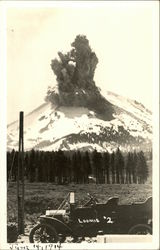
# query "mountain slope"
(71, 128)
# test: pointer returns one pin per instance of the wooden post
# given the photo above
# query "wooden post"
(20, 175)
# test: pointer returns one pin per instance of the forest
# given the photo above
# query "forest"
(64, 167)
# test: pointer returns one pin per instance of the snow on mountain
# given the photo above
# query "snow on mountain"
(131, 106)
(72, 128)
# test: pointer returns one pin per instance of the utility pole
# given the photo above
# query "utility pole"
(20, 176)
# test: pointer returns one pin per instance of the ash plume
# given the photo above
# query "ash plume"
(75, 80)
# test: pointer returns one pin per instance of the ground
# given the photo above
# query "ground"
(41, 196)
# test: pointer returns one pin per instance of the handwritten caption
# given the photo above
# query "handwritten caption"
(57, 246)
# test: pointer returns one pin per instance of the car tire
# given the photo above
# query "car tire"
(45, 232)
(142, 229)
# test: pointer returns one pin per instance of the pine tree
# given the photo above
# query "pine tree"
(40, 163)
(98, 167)
(86, 167)
(134, 170)
(106, 159)
(8, 165)
(59, 162)
(74, 167)
(142, 168)
(119, 165)
(36, 165)
(52, 166)
(26, 163)
(32, 166)
(79, 166)
(65, 169)
(70, 170)
(113, 169)
(129, 168)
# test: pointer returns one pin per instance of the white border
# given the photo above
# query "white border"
(155, 80)
(3, 129)
(78, 4)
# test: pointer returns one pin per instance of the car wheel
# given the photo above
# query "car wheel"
(140, 229)
(43, 233)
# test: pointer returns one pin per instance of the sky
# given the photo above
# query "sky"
(122, 34)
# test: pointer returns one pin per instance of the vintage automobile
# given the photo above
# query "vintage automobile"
(92, 219)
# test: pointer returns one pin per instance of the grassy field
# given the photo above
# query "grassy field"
(41, 196)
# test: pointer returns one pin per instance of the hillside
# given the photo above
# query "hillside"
(51, 127)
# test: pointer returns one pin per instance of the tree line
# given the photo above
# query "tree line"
(80, 167)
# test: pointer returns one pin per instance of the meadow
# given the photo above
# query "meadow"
(41, 196)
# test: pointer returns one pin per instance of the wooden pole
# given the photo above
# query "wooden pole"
(18, 194)
(22, 166)
(20, 175)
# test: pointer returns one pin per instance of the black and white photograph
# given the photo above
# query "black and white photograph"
(80, 117)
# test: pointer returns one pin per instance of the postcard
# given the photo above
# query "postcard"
(80, 125)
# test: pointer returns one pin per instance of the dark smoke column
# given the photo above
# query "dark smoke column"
(75, 77)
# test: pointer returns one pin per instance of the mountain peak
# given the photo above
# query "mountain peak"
(79, 128)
